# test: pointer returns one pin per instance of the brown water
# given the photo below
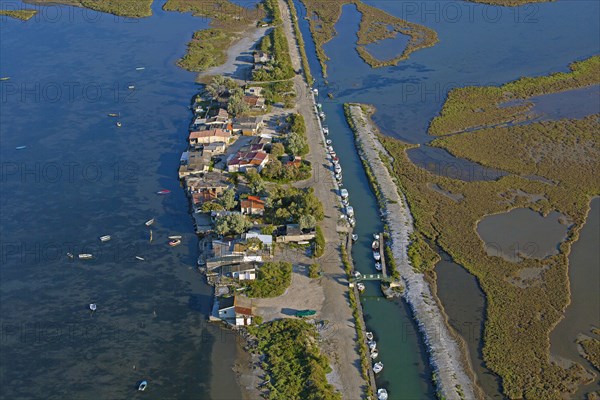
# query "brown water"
(522, 233)
(464, 303)
(584, 311)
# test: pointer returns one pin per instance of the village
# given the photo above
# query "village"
(243, 172)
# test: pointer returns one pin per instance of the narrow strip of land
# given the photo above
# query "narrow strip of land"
(452, 378)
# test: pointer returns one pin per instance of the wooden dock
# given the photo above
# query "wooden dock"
(382, 252)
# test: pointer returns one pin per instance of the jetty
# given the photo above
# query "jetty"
(453, 379)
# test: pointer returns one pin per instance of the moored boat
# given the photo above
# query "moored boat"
(322, 115)
(344, 193)
(374, 354)
(378, 266)
(350, 211)
(149, 222)
(93, 306)
(378, 367)
(376, 236)
(351, 221)
(328, 142)
(326, 130)
(382, 394)
(372, 345)
(175, 242)
(354, 237)
(360, 286)
(105, 238)
(174, 237)
(338, 177)
(369, 336)
(85, 256)
(70, 255)
(376, 256)
(142, 386)
(375, 244)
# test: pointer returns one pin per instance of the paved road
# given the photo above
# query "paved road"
(340, 346)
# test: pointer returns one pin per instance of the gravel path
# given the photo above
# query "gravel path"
(443, 349)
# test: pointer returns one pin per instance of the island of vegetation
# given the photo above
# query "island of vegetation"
(129, 8)
(552, 166)
(590, 347)
(509, 3)
(375, 26)
(24, 14)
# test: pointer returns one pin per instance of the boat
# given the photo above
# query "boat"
(140, 69)
(378, 367)
(93, 307)
(382, 394)
(345, 202)
(20, 147)
(375, 244)
(315, 91)
(5, 78)
(352, 221)
(150, 235)
(369, 336)
(70, 255)
(378, 266)
(139, 258)
(372, 345)
(376, 236)
(338, 177)
(354, 237)
(328, 142)
(350, 211)
(175, 237)
(105, 238)
(130, 87)
(305, 313)
(85, 256)
(143, 385)
(322, 115)
(119, 124)
(337, 169)
(174, 243)
(360, 286)
(376, 256)
(164, 191)
(319, 106)
(326, 130)
(149, 222)
(113, 114)
(330, 149)
(374, 354)
(357, 274)
(335, 159)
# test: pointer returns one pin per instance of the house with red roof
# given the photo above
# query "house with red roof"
(243, 161)
(252, 206)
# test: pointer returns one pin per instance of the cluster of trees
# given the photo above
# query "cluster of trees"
(273, 278)
(289, 205)
(296, 142)
(227, 201)
(236, 104)
(280, 68)
(219, 86)
(272, 10)
(277, 171)
(295, 367)
(232, 224)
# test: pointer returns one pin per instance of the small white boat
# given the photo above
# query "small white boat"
(372, 345)
(5, 78)
(330, 149)
(150, 235)
(369, 336)
(175, 242)
(328, 141)
(357, 274)
(378, 367)
(315, 91)
(350, 211)
(326, 130)
(351, 221)
(20, 147)
(143, 385)
(105, 238)
(382, 394)
(322, 115)
(119, 124)
(344, 193)
(70, 255)
(360, 286)
(376, 256)
(130, 87)
(354, 237)
(140, 69)
(85, 256)
(378, 266)
(149, 222)
(376, 236)
(338, 177)
(345, 202)
(374, 354)
(174, 237)
(337, 169)
(139, 258)
(319, 106)
(93, 307)
(375, 244)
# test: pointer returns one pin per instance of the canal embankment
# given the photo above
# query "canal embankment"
(452, 375)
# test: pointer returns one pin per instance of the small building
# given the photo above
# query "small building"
(260, 57)
(197, 162)
(242, 272)
(252, 206)
(211, 181)
(244, 161)
(215, 148)
(202, 223)
(209, 136)
(266, 240)
(254, 91)
(292, 233)
(255, 102)
(247, 126)
(295, 161)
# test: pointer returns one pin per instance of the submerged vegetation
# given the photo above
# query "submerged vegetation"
(375, 25)
(475, 107)
(295, 368)
(526, 299)
(23, 14)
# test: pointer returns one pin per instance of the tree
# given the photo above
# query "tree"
(307, 221)
(232, 223)
(272, 170)
(255, 182)
(227, 200)
(277, 150)
(236, 104)
(296, 144)
(217, 86)
(211, 206)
